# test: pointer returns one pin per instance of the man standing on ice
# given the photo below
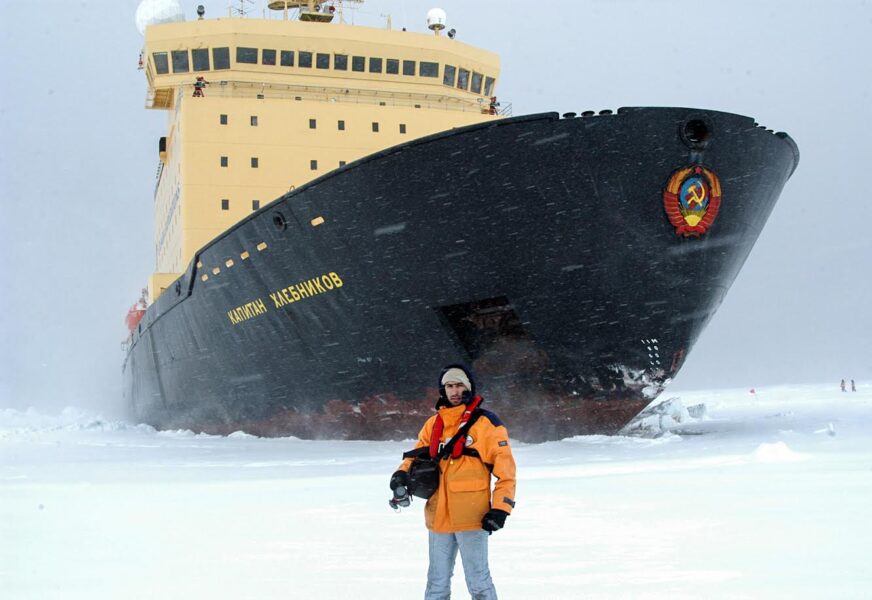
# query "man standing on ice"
(463, 512)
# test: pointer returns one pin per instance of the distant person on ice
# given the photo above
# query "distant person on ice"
(462, 512)
(843, 385)
(853, 387)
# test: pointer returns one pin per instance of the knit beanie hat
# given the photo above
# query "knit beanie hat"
(456, 375)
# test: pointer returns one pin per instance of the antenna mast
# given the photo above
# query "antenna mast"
(241, 11)
(340, 10)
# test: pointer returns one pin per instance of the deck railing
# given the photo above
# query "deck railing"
(263, 90)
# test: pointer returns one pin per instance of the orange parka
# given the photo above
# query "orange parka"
(464, 493)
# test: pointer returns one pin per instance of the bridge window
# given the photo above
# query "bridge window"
(225, 204)
(375, 127)
(287, 58)
(340, 62)
(268, 57)
(408, 67)
(392, 66)
(254, 162)
(313, 123)
(254, 120)
(322, 61)
(201, 59)
(429, 69)
(224, 161)
(180, 61)
(448, 77)
(222, 119)
(476, 83)
(305, 59)
(220, 58)
(358, 63)
(255, 204)
(313, 165)
(246, 55)
(463, 79)
(402, 128)
(341, 163)
(161, 63)
(340, 125)
(375, 65)
(488, 86)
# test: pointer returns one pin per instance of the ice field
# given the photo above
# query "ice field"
(767, 495)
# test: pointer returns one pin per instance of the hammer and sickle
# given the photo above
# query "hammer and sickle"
(693, 195)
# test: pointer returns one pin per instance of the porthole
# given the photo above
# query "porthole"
(697, 132)
(279, 221)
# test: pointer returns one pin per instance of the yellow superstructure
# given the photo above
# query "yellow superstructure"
(282, 102)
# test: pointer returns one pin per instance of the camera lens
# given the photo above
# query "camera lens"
(400, 491)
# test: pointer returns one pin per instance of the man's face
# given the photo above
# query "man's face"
(454, 392)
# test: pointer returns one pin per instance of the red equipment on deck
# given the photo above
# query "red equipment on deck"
(134, 316)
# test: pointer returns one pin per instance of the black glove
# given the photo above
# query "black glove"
(494, 519)
(399, 478)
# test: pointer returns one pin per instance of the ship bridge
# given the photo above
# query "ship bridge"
(283, 57)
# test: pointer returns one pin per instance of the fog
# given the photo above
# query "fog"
(80, 152)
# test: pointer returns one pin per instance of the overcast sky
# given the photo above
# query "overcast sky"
(79, 155)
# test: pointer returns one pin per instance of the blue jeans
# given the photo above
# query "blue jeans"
(473, 553)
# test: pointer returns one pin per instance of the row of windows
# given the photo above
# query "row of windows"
(313, 164)
(225, 162)
(244, 255)
(313, 124)
(223, 120)
(198, 60)
(225, 204)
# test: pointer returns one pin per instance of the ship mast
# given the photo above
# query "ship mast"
(341, 8)
(241, 11)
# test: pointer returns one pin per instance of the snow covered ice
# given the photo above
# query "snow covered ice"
(762, 496)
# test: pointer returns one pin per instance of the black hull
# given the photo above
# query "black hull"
(535, 248)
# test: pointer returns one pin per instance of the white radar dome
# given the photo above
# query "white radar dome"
(152, 12)
(436, 19)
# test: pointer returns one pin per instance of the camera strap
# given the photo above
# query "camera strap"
(424, 451)
(461, 433)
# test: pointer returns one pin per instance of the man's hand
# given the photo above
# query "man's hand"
(399, 478)
(494, 519)
(400, 487)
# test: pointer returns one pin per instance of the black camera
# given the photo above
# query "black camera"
(401, 498)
